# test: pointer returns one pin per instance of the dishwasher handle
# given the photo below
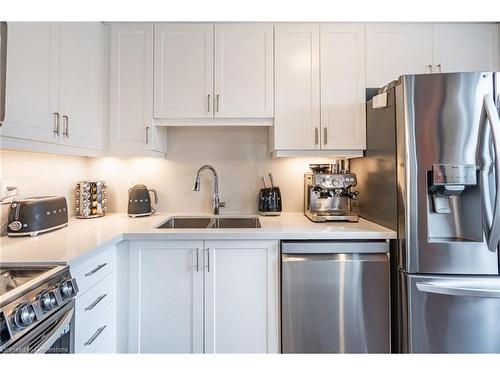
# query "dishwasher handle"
(334, 247)
(335, 257)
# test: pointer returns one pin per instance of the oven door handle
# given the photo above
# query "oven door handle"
(56, 332)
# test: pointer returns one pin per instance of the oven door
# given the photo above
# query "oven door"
(53, 336)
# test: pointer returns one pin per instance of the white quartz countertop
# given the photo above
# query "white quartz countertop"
(82, 237)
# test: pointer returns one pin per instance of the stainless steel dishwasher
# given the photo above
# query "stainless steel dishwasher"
(335, 297)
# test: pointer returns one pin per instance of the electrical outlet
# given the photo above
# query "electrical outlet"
(8, 188)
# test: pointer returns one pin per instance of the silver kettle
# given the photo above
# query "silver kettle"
(139, 201)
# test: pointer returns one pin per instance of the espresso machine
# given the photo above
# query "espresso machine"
(327, 192)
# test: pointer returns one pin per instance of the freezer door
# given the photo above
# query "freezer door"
(452, 314)
(335, 303)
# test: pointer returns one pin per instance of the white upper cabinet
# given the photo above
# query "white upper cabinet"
(395, 49)
(131, 92)
(297, 87)
(243, 84)
(343, 86)
(319, 64)
(241, 297)
(183, 70)
(80, 69)
(31, 87)
(465, 47)
(54, 86)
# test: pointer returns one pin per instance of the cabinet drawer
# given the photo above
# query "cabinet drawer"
(90, 333)
(94, 270)
(95, 301)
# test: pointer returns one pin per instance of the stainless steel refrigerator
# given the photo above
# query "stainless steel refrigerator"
(431, 172)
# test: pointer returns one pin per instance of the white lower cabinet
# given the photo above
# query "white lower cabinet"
(241, 297)
(203, 296)
(166, 297)
(95, 306)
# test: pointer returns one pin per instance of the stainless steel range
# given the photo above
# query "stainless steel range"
(36, 309)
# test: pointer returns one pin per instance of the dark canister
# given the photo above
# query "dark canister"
(269, 199)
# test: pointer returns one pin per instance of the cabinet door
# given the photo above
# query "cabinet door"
(343, 86)
(395, 49)
(465, 47)
(297, 112)
(132, 88)
(244, 71)
(80, 84)
(166, 297)
(183, 71)
(241, 297)
(31, 87)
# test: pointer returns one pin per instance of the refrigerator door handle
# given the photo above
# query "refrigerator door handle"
(459, 290)
(490, 117)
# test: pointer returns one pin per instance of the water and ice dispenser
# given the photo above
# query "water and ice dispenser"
(454, 205)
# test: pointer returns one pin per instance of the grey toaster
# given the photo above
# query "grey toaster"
(34, 215)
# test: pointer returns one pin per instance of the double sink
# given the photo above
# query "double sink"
(209, 222)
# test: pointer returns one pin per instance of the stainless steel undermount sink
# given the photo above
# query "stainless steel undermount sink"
(209, 222)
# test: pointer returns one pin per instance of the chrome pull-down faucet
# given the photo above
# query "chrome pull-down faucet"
(216, 201)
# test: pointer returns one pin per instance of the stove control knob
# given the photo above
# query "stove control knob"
(24, 315)
(47, 301)
(66, 289)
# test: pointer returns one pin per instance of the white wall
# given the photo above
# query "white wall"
(240, 156)
(41, 174)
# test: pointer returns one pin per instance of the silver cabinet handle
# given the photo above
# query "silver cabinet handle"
(90, 273)
(439, 67)
(208, 103)
(197, 260)
(316, 136)
(56, 123)
(430, 68)
(66, 126)
(217, 103)
(96, 302)
(208, 260)
(325, 135)
(95, 335)
(147, 134)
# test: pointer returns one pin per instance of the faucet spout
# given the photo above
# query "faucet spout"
(217, 204)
